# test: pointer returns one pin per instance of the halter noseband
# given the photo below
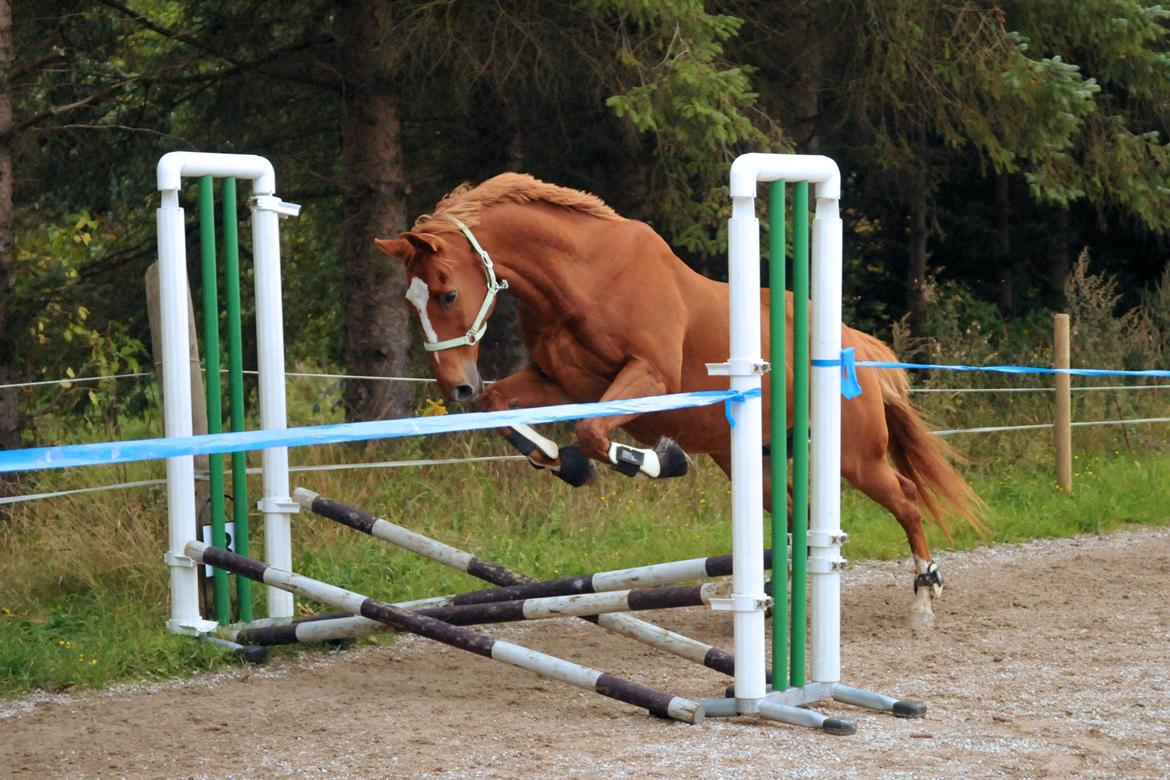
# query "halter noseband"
(479, 325)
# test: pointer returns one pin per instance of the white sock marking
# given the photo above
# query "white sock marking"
(546, 446)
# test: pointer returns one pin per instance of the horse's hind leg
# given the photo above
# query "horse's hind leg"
(529, 387)
(637, 378)
(878, 480)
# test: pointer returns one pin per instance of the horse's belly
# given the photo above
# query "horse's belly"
(583, 376)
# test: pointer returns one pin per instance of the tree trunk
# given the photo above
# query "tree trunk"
(917, 256)
(1003, 232)
(1058, 270)
(805, 93)
(377, 332)
(502, 352)
(10, 421)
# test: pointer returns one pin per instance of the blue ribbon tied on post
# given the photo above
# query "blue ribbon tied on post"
(850, 387)
(739, 398)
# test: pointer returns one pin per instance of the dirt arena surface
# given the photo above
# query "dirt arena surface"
(1049, 660)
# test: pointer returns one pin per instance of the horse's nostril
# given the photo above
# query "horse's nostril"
(464, 392)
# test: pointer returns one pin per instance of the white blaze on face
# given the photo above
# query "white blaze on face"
(419, 294)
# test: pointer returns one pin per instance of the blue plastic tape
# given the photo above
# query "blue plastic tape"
(738, 398)
(70, 456)
(1016, 369)
(850, 387)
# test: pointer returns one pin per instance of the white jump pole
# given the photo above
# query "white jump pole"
(182, 512)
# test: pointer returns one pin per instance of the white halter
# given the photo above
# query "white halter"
(479, 326)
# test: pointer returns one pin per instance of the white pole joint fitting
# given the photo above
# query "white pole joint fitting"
(742, 602)
(739, 367)
(278, 506)
(820, 565)
(179, 561)
(273, 203)
(827, 538)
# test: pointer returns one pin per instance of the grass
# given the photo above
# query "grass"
(85, 593)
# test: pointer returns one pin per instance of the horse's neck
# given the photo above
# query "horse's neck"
(538, 256)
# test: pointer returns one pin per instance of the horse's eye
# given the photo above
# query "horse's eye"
(448, 298)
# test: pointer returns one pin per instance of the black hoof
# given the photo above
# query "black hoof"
(909, 708)
(839, 726)
(672, 461)
(575, 468)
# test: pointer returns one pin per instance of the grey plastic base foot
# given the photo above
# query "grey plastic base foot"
(839, 726)
(909, 708)
(252, 654)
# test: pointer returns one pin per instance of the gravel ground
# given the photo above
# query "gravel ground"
(1048, 660)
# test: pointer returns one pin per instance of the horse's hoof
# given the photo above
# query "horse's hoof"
(672, 461)
(575, 468)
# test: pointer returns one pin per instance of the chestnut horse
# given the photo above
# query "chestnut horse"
(607, 311)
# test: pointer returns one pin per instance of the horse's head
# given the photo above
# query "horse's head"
(452, 286)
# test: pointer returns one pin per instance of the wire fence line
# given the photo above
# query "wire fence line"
(430, 380)
(202, 476)
(1095, 388)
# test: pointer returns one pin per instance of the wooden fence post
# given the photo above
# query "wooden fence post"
(1062, 430)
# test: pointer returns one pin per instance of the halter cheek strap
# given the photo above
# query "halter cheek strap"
(479, 325)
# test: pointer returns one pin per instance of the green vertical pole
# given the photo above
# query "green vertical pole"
(231, 256)
(800, 290)
(211, 361)
(779, 433)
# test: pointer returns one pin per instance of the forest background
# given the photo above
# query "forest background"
(985, 147)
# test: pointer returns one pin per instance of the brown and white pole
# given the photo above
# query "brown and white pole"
(656, 702)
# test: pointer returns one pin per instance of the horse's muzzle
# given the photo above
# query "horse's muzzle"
(466, 385)
(465, 393)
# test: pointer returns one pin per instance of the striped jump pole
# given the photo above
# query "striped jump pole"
(656, 702)
(599, 582)
(618, 579)
(639, 630)
(581, 605)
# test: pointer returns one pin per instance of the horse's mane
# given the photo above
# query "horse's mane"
(466, 202)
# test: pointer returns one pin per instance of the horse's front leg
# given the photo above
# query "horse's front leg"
(636, 379)
(527, 388)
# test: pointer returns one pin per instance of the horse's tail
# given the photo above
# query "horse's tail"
(925, 459)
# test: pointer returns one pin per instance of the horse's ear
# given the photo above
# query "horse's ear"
(423, 241)
(396, 247)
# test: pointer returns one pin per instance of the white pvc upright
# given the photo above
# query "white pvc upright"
(276, 504)
(182, 514)
(745, 367)
(748, 599)
(181, 511)
(824, 560)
